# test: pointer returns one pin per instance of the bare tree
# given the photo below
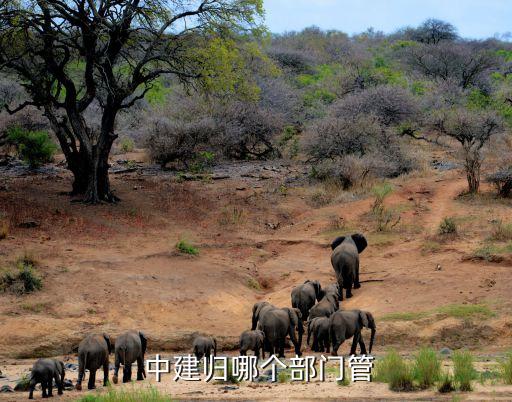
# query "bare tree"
(433, 31)
(71, 55)
(472, 130)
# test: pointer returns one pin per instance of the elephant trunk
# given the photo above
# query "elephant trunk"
(371, 340)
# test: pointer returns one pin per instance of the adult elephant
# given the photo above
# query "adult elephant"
(130, 347)
(347, 324)
(277, 323)
(258, 310)
(345, 260)
(305, 296)
(329, 303)
(93, 353)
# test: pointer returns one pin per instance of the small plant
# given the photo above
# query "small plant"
(395, 371)
(253, 284)
(427, 368)
(127, 144)
(463, 370)
(501, 231)
(34, 147)
(202, 162)
(22, 279)
(447, 226)
(506, 369)
(445, 384)
(283, 376)
(186, 248)
(384, 216)
(232, 216)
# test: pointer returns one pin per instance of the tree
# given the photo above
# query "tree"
(472, 129)
(77, 56)
(433, 31)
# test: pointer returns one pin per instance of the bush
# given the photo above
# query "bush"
(427, 368)
(446, 383)
(127, 144)
(395, 371)
(463, 370)
(502, 181)
(34, 147)
(506, 369)
(127, 395)
(501, 231)
(22, 279)
(447, 226)
(186, 248)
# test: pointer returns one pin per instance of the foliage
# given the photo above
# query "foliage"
(34, 147)
(127, 144)
(447, 226)
(185, 247)
(427, 367)
(21, 279)
(463, 370)
(395, 371)
(506, 369)
(149, 394)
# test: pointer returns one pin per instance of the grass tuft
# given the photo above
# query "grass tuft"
(506, 369)
(186, 248)
(445, 384)
(501, 231)
(395, 371)
(463, 370)
(23, 278)
(127, 395)
(467, 311)
(447, 226)
(427, 368)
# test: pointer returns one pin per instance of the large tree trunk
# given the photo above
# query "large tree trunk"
(473, 165)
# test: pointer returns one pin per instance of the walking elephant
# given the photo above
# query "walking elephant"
(44, 372)
(329, 303)
(277, 323)
(345, 261)
(319, 328)
(347, 324)
(252, 340)
(93, 353)
(203, 346)
(130, 347)
(305, 296)
(258, 310)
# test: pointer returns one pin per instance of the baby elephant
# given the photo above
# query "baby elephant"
(319, 328)
(252, 340)
(203, 346)
(130, 347)
(344, 325)
(45, 371)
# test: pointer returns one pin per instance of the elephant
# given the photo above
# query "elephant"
(93, 353)
(319, 328)
(276, 323)
(203, 346)
(130, 347)
(305, 296)
(45, 371)
(252, 340)
(345, 261)
(329, 303)
(349, 323)
(258, 310)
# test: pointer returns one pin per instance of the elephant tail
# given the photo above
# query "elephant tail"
(309, 332)
(214, 347)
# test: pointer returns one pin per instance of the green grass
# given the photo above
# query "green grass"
(445, 384)
(451, 310)
(21, 279)
(395, 371)
(501, 231)
(405, 316)
(463, 370)
(447, 226)
(186, 248)
(253, 284)
(426, 368)
(127, 395)
(506, 369)
(126, 144)
(488, 251)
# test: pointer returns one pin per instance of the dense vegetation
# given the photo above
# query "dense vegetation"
(356, 106)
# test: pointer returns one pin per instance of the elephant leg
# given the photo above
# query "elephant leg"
(127, 372)
(348, 292)
(362, 346)
(81, 372)
(44, 386)
(50, 387)
(327, 345)
(31, 388)
(281, 347)
(140, 369)
(59, 383)
(243, 352)
(92, 379)
(355, 341)
(257, 353)
(105, 372)
(357, 285)
(117, 365)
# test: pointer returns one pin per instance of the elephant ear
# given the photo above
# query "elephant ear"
(337, 241)
(360, 242)
(364, 319)
(109, 344)
(143, 341)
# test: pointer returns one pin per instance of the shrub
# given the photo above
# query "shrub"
(22, 279)
(501, 231)
(506, 369)
(34, 147)
(427, 367)
(447, 226)
(445, 385)
(502, 181)
(127, 144)
(385, 217)
(463, 370)
(127, 395)
(186, 248)
(395, 371)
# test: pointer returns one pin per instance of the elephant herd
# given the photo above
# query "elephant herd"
(327, 324)
(328, 327)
